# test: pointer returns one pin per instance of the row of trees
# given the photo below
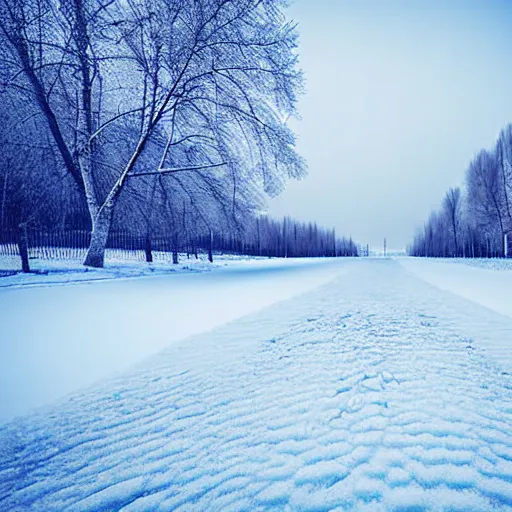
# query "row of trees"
(287, 238)
(150, 116)
(475, 221)
(262, 236)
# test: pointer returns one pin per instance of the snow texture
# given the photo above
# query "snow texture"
(68, 337)
(485, 282)
(371, 392)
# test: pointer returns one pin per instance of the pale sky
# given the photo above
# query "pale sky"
(400, 95)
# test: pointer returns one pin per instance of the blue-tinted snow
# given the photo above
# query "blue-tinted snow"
(370, 393)
(57, 339)
(482, 281)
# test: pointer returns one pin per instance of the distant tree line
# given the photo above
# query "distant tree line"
(264, 236)
(474, 221)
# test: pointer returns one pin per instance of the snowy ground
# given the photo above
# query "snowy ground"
(68, 337)
(117, 266)
(375, 391)
(486, 282)
(487, 263)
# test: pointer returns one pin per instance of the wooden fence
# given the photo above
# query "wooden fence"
(73, 244)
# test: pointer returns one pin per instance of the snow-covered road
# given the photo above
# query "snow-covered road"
(373, 392)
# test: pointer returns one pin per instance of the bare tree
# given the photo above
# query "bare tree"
(485, 196)
(473, 224)
(504, 156)
(216, 77)
(451, 205)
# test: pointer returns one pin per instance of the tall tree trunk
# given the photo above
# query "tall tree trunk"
(505, 185)
(150, 200)
(210, 247)
(23, 248)
(85, 162)
(285, 241)
(502, 232)
(2, 207)
(148, 248)
(102, 221)
(259, 235)
(101, 227)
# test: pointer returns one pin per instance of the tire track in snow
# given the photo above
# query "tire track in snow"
(363, 395)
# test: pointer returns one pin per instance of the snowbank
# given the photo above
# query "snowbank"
(54, 272)
(480, 285)
(485, 282)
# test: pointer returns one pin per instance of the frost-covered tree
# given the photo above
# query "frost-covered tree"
(477, 219)
(486, 195)
(34, 192)
(451, 206)
(159, 87)
(504, 155)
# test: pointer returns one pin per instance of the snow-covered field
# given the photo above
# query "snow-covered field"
(376, 390)
(484, 281)
(56, 339)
